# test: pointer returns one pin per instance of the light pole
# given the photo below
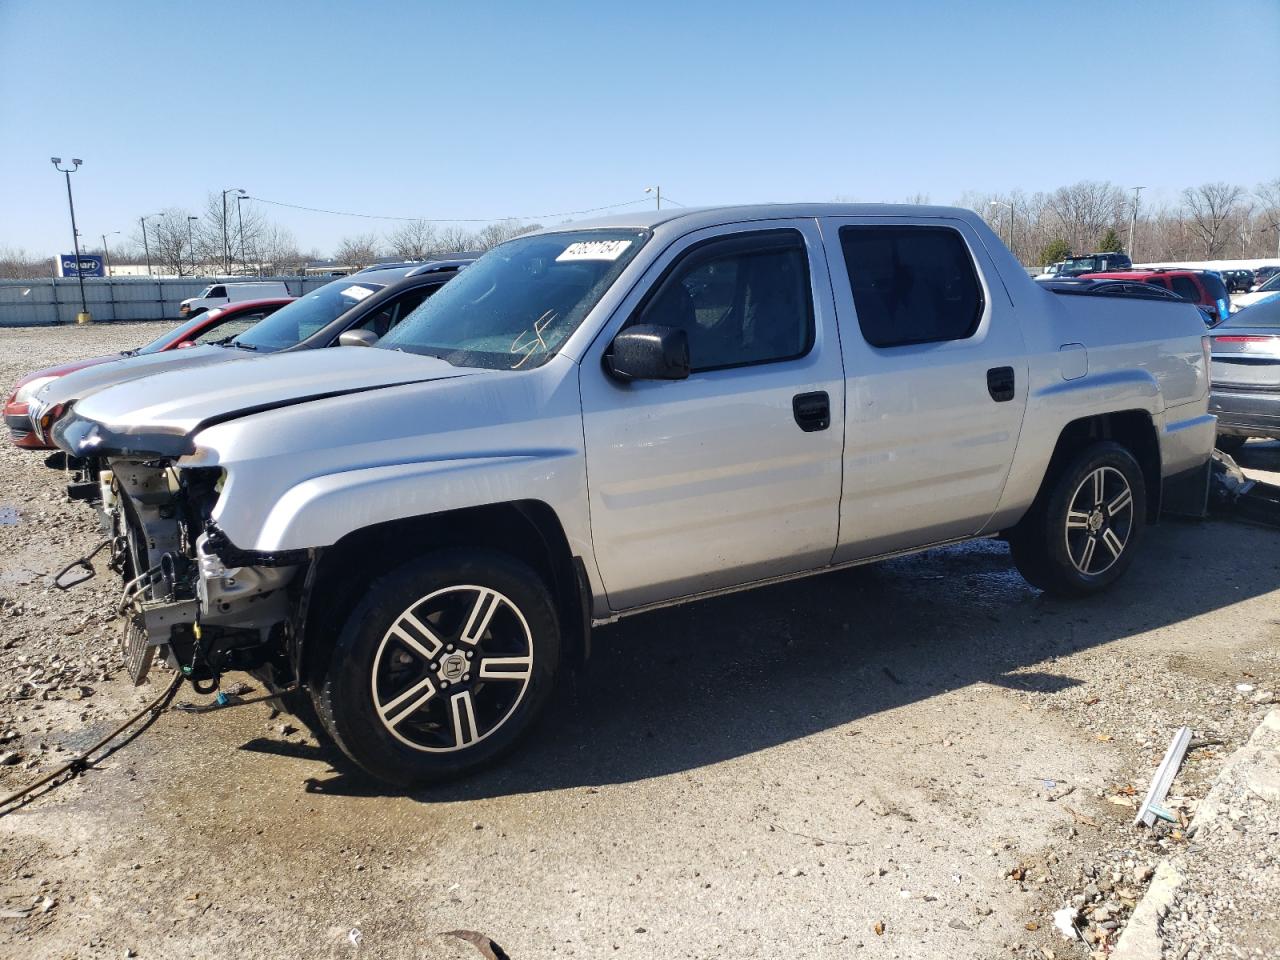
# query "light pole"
(1001, 203)
(240, 221)
(191, 243)
(146, 248)
(106, 255)
(1133, 219)
(226, 244)
(83, 316)
(657, 194)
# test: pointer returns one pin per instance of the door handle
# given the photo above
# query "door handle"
(1000, 383)
(812, 410)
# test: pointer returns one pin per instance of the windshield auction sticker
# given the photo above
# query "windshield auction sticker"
(594, 250)
(357, 293)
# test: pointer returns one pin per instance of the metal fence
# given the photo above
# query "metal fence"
(29, 303)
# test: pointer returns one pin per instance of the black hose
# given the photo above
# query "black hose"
(82, 762)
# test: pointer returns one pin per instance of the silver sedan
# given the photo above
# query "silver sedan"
(1246, 375)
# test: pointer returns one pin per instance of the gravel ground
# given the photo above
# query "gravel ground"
(924, 758)
(1230, 874)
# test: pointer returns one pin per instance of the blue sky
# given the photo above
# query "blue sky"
(465, 110)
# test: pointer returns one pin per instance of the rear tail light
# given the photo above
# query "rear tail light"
(1206, 347)
(1243, 338)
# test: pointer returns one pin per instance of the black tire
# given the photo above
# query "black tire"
(406, 641)
(1230, 445)
(299, 705)
(1050, 543)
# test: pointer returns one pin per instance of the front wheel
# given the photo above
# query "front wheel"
(441, 667)
(1079, 536)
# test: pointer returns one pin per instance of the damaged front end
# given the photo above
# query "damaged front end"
(205, 605)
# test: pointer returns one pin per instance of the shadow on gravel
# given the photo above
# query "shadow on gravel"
(679, 689)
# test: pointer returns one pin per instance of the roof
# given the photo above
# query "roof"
(237, 305)
(1093, 283)
(696, 217)
(1133, 274)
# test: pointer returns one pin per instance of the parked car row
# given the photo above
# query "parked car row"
(411, 533)
(1266, 290)
(217, 327)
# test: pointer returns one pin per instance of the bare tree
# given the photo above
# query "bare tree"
(168, 242)
(1266, 225)
(358, 251)
(1085, 210)
(502, 231)
(456, 240)
(1210, 208)
(414, 240)
(17, 264)
(275, 251)
(245, 227)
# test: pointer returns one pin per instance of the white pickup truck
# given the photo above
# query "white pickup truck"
(607, 417)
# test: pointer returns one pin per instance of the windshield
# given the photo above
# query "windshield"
(1271, 285)
(1081, 265)
(295, 322)
(517, 305)
(1264, 314)
(177, 333)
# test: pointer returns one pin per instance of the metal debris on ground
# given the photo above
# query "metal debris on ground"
(1152, 807)
(1234, 495)
(487, 947)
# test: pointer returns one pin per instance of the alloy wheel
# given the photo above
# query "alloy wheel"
(452, 668)
(1099, 521)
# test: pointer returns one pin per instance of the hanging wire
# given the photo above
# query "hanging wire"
(374, 216)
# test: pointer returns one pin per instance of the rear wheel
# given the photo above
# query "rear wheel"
(1080, 534)
(441, 667)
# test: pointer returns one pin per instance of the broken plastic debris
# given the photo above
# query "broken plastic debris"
(355, 936)
(1065, 921)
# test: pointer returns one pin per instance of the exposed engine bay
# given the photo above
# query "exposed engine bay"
(189, 593)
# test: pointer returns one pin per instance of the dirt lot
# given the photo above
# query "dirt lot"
(924, 758)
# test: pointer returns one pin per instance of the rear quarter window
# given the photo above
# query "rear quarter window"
(1186, 288)
(1216, 289)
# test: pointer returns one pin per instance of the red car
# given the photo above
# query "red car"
(217, 324)
(1199, 286)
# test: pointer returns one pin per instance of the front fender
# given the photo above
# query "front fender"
(320, 511)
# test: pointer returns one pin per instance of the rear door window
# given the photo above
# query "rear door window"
(912, 284)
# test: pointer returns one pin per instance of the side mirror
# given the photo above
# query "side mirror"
(357, 338)
(649, 352)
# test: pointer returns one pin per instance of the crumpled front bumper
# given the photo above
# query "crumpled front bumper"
(21, 431)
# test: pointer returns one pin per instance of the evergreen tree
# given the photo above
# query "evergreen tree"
(1055, 250)
(1111, 242)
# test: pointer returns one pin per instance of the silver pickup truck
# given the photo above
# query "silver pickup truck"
(608, 417)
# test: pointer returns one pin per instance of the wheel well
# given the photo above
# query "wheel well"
(528, 530)
(1132, 429)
